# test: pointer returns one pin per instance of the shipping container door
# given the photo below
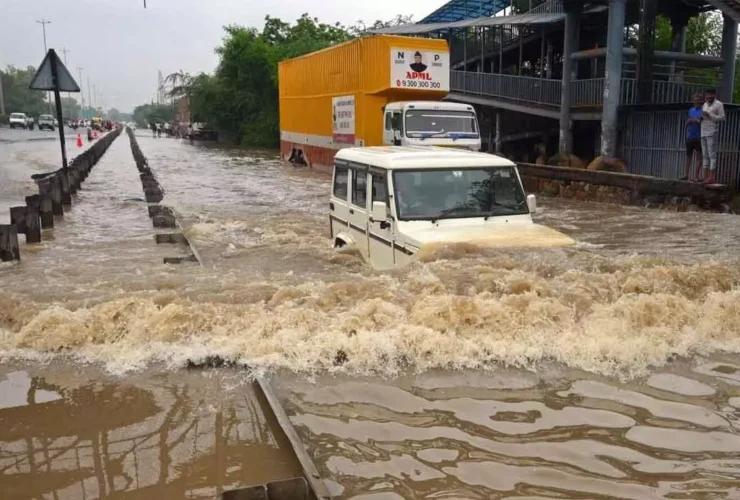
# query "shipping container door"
(358, 213)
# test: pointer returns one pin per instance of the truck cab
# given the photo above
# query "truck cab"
(431, 123)
(390, 202)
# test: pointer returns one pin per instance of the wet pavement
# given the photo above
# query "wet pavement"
(604, 371)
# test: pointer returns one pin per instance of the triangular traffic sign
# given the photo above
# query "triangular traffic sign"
(44, 80)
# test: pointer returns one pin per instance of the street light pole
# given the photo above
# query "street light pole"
(82, 95)
(43, 24)
(89, 95)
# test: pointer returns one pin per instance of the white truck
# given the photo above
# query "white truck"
(431, 123)
(389, 202)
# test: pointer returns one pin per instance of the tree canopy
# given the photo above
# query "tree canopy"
(17, 96)
(241, 97)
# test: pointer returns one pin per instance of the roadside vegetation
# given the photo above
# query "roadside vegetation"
(240, 98)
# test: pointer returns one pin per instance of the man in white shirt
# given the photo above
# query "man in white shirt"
(713, 112)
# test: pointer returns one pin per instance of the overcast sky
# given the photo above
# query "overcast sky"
(121, 45)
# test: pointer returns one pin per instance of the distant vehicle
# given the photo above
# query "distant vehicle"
(47, 122)
(201, 131)
(389, 202)
(18, 120)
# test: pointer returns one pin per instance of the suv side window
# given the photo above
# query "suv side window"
(359, 188)
(340, 181)
(388, 121)
(380, 192)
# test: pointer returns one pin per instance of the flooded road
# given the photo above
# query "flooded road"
(604, 371)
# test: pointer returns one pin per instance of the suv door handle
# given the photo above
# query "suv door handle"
(384, 224)
(351, 211)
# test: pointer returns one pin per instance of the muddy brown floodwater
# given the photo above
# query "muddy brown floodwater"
(609, 370)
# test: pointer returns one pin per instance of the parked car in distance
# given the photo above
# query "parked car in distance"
(47, 122)
(18, 120)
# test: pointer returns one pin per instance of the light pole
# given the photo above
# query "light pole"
(89, 95)
(64, 51)
(43, 24)
(82, 95)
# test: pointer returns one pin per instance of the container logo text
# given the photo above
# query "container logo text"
(343, 120)
(420, 70)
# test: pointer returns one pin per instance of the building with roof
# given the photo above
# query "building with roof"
(585, 77)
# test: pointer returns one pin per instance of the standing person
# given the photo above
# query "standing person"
(693, 139)
(154, 129)
(713, 112)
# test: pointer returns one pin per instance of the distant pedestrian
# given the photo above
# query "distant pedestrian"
(153, 126)
(693, 139)
(713, 112)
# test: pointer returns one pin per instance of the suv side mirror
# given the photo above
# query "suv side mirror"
(379, 212)
(532, 203)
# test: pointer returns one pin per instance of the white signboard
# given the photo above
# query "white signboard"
(343, 119)
(420, 70)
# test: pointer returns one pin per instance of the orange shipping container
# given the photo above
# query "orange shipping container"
(334, 98)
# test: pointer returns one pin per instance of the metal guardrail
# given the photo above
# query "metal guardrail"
(587, 93)
(663, 91)
(515, 88)
(549, 7)
(584, 93)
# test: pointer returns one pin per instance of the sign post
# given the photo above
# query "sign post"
(53, 75)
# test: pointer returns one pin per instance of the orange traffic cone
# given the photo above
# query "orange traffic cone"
(95, 134)
(79, 141)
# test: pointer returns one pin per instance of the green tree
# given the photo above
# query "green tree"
(70, 108)
(240, 98)
(148, 113)
(18, 97)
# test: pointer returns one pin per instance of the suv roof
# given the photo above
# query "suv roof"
(420, 157)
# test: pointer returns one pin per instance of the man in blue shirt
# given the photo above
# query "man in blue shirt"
(693, 138)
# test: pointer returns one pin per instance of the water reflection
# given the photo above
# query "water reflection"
(568, 435)
(157, 435)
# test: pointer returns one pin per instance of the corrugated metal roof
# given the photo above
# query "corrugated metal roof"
(729, 7)
(416, 29)
(457, 10)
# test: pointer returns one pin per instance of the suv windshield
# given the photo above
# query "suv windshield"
(458, 193)
(424, 123)
(17, 115)
(46, 118)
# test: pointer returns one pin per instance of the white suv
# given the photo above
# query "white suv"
(47, 121)
(18, 120)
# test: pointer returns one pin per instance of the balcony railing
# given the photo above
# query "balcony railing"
(521, 89)
(584, 93)
(549, 7)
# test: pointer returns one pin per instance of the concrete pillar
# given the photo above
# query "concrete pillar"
(729, 50)
(646, 50)
(482, 49)
(498, 132)
(465, 49)
(613, 78)
(678, 42)
(569, 44)
(501, 51)
(542, 55)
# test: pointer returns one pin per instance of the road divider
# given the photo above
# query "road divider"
(54, 198)
(163, 217)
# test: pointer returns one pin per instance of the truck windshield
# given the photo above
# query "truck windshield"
(423, 123)
(458, 193)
